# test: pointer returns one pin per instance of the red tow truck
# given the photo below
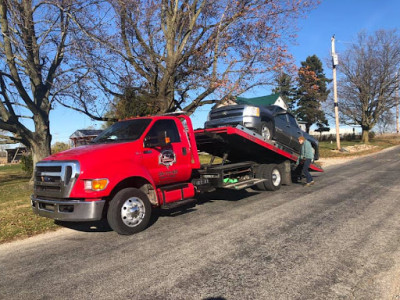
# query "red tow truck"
(141, 165)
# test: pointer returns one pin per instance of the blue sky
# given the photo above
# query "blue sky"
(344, 18)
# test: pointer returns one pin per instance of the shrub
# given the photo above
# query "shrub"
(27, 163)
(371, 135)
(59, 147)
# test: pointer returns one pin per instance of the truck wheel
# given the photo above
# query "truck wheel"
(265, 130)
(129, 211)
(273, 174)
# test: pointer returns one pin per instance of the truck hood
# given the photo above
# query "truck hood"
(104, 152)
(95, 161)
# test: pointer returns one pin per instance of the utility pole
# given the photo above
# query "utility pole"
(397, 101)
(335, 62)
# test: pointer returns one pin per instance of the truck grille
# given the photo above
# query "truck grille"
(55, 179)
(227, 112)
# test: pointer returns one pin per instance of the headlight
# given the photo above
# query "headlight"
(96, 184)
(251, 111)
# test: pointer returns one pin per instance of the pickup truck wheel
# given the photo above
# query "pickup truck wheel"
(265, 130)
(129, 211)
(272, 173)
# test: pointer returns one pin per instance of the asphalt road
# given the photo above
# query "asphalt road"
(339, 239)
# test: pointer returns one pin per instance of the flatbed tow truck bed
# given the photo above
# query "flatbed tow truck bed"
(238, 144)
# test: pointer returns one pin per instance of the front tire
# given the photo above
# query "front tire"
(265, 131)
(129, 211)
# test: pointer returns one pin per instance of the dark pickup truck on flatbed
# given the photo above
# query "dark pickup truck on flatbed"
(271, 122)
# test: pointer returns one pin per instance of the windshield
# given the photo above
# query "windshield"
(123, 131)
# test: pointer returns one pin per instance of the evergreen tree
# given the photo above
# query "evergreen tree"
(311, 92)
(285, 87)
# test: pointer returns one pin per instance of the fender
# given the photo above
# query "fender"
(116, 177)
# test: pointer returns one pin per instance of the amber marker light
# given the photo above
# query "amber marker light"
(96, 184)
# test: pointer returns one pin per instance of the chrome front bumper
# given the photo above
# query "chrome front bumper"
(73, 210)
(253, 123)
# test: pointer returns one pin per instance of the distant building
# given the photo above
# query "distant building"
(83, 136)
(342, 131)
(302, 125)
(3, 157)
(14, 155)
(273, 99)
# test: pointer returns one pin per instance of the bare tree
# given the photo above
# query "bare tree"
(385, 122)
(5, 138)
(184, 54)
(368, 79)
(37, 45)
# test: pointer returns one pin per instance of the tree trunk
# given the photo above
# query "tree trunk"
(365, 136)
(308, 126)
(41, 148)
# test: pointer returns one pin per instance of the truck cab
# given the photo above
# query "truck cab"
(149, 161)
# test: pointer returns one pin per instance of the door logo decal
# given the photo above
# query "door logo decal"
(167, 158)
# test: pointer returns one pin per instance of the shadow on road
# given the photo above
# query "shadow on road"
(95, 226)
(223, 195)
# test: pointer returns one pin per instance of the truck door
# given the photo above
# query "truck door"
(296, 133)
(282, 129)
(169, 163)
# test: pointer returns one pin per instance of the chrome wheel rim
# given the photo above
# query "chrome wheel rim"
(133, 212)
(276, 177)
(265, 133)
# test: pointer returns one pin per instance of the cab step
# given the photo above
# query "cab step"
(185, 202)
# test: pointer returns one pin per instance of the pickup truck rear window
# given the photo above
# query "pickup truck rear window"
(124, 131)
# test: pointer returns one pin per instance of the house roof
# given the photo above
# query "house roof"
(259, 101)
(85, 133)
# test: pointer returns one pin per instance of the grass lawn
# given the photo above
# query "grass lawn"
(327, 149)
(16, 217)
(206, 159)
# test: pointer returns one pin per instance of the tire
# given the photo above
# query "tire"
(260, 174)
(265, 131)
(273, 174)
(129, 211)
